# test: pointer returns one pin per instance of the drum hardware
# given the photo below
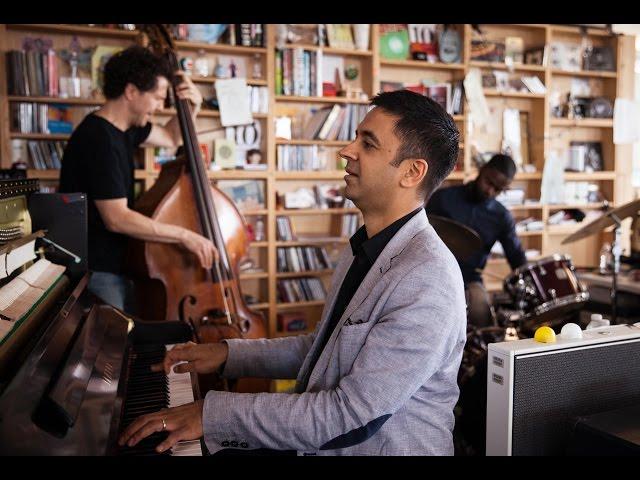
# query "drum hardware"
(611, 218)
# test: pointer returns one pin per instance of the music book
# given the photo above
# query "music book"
(16, 258)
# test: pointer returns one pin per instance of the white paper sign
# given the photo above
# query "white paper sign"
(552, 188)
(233, 100)
(626, 121)
(476, 99)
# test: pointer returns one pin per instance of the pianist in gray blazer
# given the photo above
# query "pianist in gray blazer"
(384, 383)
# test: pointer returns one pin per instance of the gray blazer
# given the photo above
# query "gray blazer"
(385, 384)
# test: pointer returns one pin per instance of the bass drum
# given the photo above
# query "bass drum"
(547, 290)
(471, 409)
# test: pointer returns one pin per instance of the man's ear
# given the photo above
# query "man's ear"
(130, 90)
(416, 170)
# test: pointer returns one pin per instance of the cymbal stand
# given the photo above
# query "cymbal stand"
(616, 249)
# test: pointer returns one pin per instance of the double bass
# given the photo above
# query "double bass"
(170, 282)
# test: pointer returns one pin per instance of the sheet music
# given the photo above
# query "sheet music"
(20, 294)
(233, 98)
(16, 258)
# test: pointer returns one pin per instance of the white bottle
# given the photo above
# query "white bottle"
(605, 259)
(201, 65)
(597, 321)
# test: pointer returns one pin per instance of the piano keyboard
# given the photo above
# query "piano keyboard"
(148, 392)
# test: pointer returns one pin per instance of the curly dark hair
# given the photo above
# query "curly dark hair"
(136, 65)
(426, 131)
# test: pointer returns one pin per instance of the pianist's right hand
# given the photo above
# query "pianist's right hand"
(197, 357)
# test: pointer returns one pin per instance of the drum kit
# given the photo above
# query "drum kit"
(542, 292)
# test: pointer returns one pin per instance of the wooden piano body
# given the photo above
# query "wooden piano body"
(70, 366)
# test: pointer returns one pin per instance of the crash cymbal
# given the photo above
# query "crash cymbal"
(606, 220)
(461, 240)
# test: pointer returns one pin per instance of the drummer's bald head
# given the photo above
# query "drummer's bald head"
(503, 164)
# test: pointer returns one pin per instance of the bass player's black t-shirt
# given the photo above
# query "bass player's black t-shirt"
(98, 161)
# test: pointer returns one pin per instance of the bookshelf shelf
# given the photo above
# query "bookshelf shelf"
(218, 47)
(533, 233)
(317, 175)
(582, 206)
(260, 306)
(386, 62)
(40, 136)
(85, 102)
(530, 206)
(236, 174)
(316, 241)
(43, 174)
(249, 213)
(584, 73)
(582, 122)
(585, 177)
(293, 98)
(566, 29)
(258, 244)
(250, 81)
(207, 113)
(331, 51)
(292, 305)
(503, 66)
(313, 211)
(254, 276)
(73, 29)
(326, 143)
(496, 93)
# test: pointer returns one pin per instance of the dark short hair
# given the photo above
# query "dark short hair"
(136, 65)
(426, 131)
(503, 164)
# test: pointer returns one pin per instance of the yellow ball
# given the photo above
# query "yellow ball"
(545, 335)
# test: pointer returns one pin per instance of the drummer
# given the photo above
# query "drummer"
(475, 206)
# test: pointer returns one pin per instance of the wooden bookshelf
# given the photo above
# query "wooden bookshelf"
(372, 70)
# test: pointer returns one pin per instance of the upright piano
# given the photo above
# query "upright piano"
(74, 371)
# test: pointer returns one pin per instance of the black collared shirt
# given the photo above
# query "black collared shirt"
(489, 218)
(366, 251)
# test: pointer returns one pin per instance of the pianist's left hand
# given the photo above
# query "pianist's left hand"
(182, 423)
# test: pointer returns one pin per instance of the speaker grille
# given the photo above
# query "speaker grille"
(551, 390)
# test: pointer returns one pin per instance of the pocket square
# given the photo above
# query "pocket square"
(349, 321)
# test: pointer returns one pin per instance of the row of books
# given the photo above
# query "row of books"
(258, 99)
(298, 158)
(32, 73)
(302, 259)
(337, 122)
(350, 224)
(303, 289)
(39, 155)
(449, 95)
(298, 72)
(244, 34)
(29, 117)
(284, 231)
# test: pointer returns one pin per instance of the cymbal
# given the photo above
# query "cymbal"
(461, 240)
(606, 220)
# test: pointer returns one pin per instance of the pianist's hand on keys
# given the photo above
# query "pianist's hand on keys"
(196, 357)
(183, 422)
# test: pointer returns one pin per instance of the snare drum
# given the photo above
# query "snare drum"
(546, 289)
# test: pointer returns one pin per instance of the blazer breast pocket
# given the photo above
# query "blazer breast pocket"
(349, 343)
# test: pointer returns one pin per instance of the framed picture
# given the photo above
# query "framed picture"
(246, 194)
(593, 160)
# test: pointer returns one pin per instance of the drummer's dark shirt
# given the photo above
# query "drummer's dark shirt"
(489, 218)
